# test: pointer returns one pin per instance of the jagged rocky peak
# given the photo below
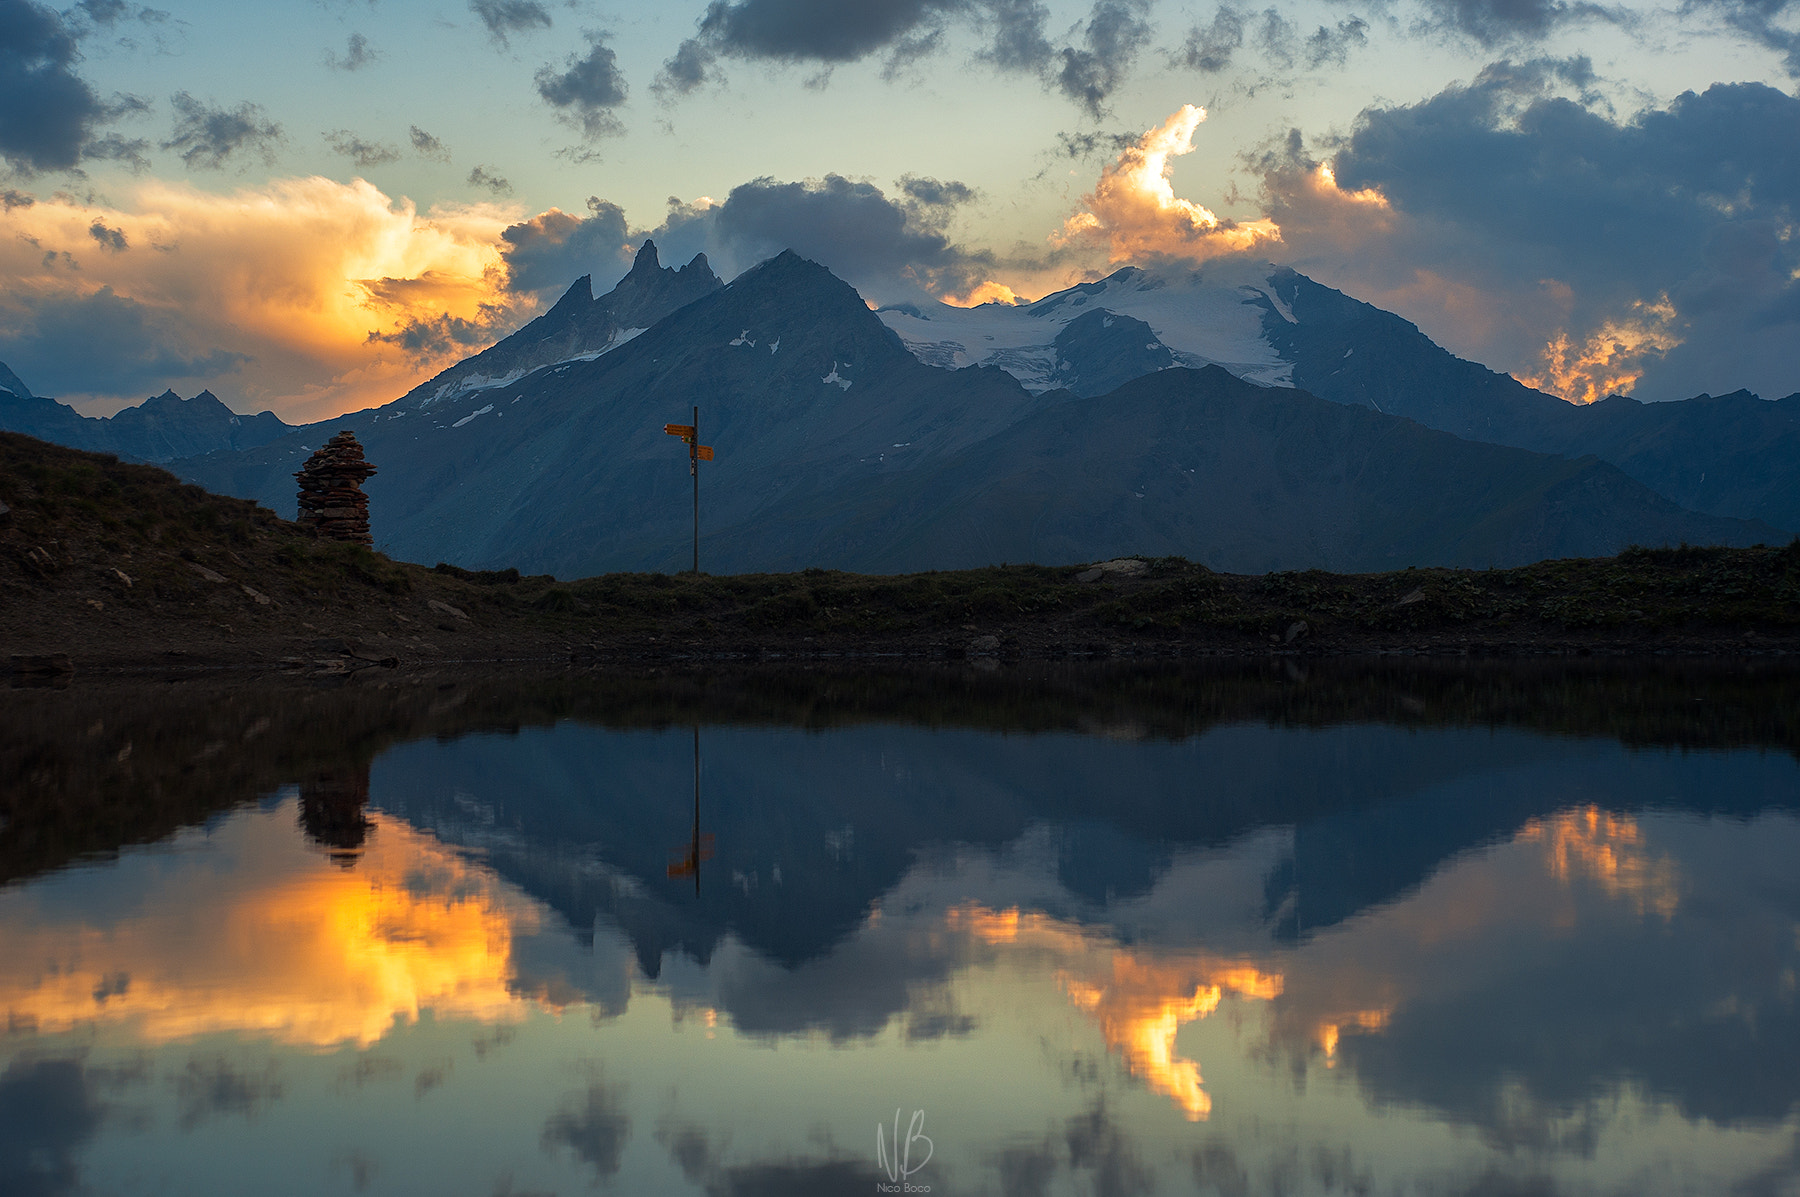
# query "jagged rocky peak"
(10, 382)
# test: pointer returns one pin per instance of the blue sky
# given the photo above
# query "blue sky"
(308, 207)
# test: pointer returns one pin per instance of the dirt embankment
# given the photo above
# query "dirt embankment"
(117, 565)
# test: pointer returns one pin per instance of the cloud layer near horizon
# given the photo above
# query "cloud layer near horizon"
(288, 290)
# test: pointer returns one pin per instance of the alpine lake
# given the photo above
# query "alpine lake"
(1272, 927)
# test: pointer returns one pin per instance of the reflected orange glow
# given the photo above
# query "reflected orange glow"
(1609, 850)
(1134, 211)
(1612, 358)
(293, 949)
(1139, 1000)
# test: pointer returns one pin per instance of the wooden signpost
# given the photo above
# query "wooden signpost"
(697, 453)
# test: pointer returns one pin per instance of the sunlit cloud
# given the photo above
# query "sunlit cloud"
(1611, 359)
(1139, 1000)
(1134, 213)
(289, 948)
(295, 290)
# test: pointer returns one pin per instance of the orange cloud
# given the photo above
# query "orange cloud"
(1135, 214)
(1611, 359)
(302, 277)
(294, 949)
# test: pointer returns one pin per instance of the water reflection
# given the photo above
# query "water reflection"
(1163, 938)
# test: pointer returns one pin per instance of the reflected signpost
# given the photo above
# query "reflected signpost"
(697, 453)
(699, 847)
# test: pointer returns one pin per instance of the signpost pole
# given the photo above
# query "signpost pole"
(694, 469)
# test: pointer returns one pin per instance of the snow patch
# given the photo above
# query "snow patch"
(774, 345)
(484, 411)
(1211, 315)
(743, 338)
(834, 376)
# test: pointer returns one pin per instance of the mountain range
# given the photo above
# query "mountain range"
(161, 429)
(1241, 415)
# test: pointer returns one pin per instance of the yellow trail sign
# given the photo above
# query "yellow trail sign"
(681, 430)
(703, 452)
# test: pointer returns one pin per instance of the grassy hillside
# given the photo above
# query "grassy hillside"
(114, 563)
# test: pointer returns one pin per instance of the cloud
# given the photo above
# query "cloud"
(1135, 215)
(268, 294)
(426, 145)
(586, 92)
(50, 117)
(1212, 48)
(553, 249)
(111, 240)
(48, 1112)
(1494, 22)
(357, 55)
(208, 136)
(806, 33)
(1756, 20)
(504, 18)
(1593, 253)
(364, 153)
(479, 176)
(1115, 33)
(594, 1126)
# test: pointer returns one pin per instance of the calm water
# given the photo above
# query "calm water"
(1258, 933)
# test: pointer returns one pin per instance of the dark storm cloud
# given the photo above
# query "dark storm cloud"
(207, 136)
(51, 340)
(426, 145)
(49, 115)
(479, 176)
(817, 32)
(504, 18)
(357, 55)
(586, 91)
(364, 153)
(553, 249)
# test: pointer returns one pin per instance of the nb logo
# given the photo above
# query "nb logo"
(896, 1160)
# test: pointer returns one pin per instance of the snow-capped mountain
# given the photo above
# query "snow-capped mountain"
(837, 447)
(1733, 455)
(1211, 316)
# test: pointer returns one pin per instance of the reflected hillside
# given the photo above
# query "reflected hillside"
(92, 768)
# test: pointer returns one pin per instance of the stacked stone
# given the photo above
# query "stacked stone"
(331, 500)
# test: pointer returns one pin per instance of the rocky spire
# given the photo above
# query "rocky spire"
(331, 500)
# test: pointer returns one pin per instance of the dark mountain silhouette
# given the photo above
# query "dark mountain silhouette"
(837, 447)
(159, 429)
(1735, 454)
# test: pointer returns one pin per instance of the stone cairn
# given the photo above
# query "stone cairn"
(331, 500)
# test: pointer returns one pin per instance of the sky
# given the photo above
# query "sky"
(308, 207)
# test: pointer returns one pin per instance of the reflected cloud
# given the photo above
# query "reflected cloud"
(1608, 850)
(276, 944)
(593, 1125)
(48, 1111)
(1139, 1000)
